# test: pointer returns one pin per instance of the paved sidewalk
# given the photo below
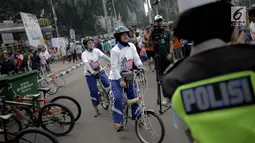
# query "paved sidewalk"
(63, 69)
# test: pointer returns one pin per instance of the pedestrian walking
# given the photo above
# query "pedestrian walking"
(78, 50)
(73, 50)
(63, 53)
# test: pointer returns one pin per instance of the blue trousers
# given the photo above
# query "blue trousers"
(117, 108)
(92, 84)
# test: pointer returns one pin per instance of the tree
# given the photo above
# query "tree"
(246, 3)
(122, 7)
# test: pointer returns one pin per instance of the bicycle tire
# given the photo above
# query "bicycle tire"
(43, 83)
(77, 117)
(30, 115)
(18, 123)
(53, 90)
(38, 131)
(125, 115)
(61, 80)
(137, 126)
(105, 106)
(72, 123)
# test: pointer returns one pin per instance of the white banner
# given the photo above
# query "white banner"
(58, 42)
(7, 38)
(188, 4)
(33, 30)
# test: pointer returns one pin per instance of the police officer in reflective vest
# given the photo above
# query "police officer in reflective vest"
(226, 98)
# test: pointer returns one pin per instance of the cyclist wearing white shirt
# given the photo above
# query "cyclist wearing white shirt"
(123, 55)
(91, 57)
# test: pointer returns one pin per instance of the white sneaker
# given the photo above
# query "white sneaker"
(165, 101)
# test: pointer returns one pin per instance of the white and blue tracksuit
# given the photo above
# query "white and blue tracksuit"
(91, 62)
(122, 59)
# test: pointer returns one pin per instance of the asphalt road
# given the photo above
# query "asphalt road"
(101, 130)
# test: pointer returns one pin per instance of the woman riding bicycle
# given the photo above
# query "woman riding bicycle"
(123, 55)
(91, 57)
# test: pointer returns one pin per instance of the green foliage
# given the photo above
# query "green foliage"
(81, 15)
(244, 3)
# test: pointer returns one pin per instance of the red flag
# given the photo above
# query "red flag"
(54, 14)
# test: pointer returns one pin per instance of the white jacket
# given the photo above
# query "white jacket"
(122, 58)
(91, 60)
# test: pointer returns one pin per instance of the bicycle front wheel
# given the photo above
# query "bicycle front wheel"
(57, 119)
(35, 136)
(144, 124)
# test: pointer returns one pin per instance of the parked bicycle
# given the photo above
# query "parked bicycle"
(51, 80)
(32, 115)
(74, 105)
(25, 135)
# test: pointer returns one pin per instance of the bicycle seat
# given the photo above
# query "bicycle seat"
(5, 117)
(34, 95)
(44, 90)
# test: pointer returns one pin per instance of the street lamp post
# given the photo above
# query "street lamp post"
(106, 17)
(149, 10)
(55, 20)
(114, 9)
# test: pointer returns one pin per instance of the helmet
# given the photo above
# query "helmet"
(165, 24)
(158, 17)
(87, 39)
(119, 30)
(170, 22)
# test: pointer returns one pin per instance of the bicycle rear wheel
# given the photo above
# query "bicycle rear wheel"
(47, 117)
(60, 81)
(125, 114)
(104, 101)
(53, 88)
(25, 136)
(50, 84)
(144, 122)
(76, 111)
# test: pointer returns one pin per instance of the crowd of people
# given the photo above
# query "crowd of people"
(205, 70)
(129, 49)
(14, 61)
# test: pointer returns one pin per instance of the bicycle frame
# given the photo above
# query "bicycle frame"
(140, 97)
(33, 105)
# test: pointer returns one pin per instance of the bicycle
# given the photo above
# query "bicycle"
(7, 136)
(45, 101)
(135, 76)
(47, 81)
(105, 97)
(51, 79)
(38, 117)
